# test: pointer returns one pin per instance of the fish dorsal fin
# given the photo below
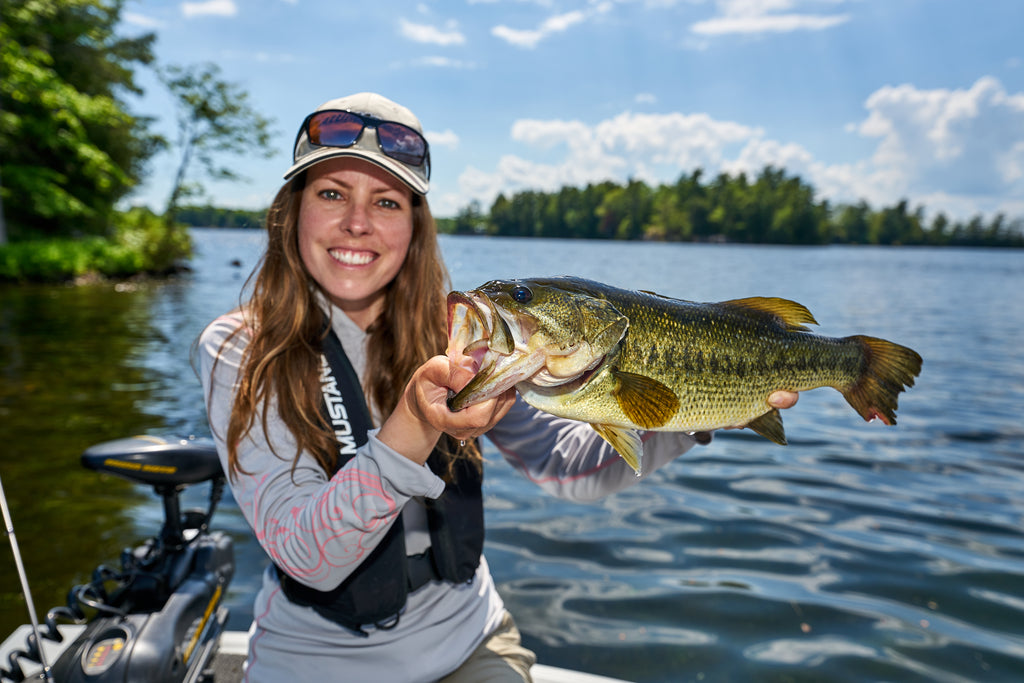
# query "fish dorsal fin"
(626, 443)
(663, 296)
(646, 402)
(789, 314)
(769, 426)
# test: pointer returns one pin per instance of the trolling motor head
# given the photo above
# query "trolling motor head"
(168, 465)
(156, 461)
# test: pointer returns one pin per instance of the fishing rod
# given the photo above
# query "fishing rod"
(47, 673)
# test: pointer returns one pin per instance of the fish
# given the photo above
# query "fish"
(628, 361)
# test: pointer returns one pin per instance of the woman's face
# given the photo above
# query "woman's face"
(355, 225)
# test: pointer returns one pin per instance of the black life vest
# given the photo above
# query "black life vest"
(375, 593)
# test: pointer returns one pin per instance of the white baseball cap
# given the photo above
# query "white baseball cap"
(400, 149)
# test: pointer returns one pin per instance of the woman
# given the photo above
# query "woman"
(326, 393)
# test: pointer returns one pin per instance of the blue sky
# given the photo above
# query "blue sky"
(864, 99)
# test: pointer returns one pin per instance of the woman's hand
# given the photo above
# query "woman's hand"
(422, 413)
(430, 400)
(783, 399)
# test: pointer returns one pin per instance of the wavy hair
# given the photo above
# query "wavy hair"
(282, 360)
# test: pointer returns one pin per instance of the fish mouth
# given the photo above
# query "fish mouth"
(481, 339)
(475, 328)
(501, 348)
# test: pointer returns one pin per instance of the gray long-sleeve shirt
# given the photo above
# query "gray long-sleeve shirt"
(319, 528)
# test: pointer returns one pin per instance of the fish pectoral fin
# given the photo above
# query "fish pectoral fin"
(626, 443)
(791, 315)
(646, 402)
(769, 426)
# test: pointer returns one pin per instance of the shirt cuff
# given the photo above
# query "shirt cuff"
(408, 478)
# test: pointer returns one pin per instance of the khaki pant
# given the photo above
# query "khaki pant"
(499, 659)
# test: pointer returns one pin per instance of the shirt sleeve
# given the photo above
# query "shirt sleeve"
(568, 459)
(316, 528)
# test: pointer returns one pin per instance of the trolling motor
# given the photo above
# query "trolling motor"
(160, 617)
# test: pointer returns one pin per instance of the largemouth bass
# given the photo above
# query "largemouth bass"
(626, 360)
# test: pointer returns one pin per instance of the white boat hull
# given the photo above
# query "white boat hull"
(232, 651)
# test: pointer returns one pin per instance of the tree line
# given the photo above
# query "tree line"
(772, 208)
(218, 217)
(776, 208)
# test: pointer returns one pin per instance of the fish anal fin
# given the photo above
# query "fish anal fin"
(625, 441)
(791, 315)
(769, 426)
(646, 402)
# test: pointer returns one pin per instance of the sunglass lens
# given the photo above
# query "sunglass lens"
(402, 143)
(334, 129)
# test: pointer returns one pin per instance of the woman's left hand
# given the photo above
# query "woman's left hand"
(422, 413)
(432, 401)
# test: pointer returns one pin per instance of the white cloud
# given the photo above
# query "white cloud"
(259, 57)
(444, 138)
(424, 33)
(437, 61)
(652, 147)
(628, 139)
(140, 20)
(765, 16)
(959, 151)
(527, 39)
(558, 23)
(960, 141)
(222, 8)
(843, 183)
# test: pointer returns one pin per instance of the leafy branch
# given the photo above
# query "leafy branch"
(214, 118)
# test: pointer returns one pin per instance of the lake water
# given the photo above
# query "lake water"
(858, 553)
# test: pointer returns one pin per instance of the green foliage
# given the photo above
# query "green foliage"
(70, 149)
(160, 245)
(775, 208)
(445, 226)
(469, 221)
(141, 243)
(214, 117)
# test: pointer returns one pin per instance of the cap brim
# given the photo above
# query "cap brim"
(395, 168)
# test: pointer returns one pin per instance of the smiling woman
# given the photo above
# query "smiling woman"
(350, 292)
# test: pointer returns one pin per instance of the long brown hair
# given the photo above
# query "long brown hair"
(282, 360)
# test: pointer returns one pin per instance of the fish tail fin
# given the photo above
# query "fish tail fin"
(890, 369)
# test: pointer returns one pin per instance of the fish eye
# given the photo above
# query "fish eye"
(522, 294)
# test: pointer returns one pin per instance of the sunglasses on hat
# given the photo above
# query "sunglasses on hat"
(338, 128)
